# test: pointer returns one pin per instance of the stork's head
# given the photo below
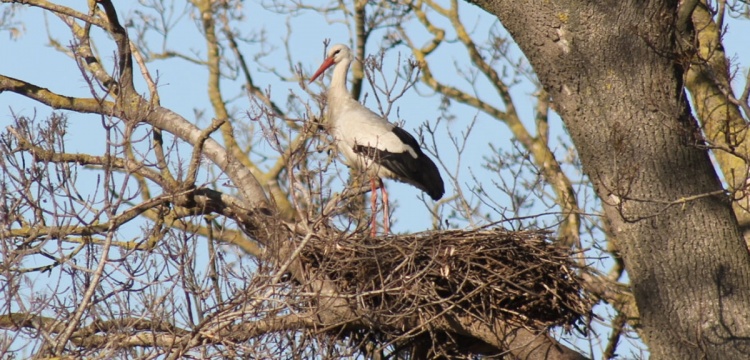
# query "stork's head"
(336, 54)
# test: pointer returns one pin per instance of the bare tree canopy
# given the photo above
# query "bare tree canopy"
(171, 188)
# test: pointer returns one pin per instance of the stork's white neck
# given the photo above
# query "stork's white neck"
(337, 90)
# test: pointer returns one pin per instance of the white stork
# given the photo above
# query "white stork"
(371, 143)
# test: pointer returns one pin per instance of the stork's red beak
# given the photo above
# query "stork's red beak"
(326, 64)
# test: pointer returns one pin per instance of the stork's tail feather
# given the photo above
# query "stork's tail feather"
(429, 178)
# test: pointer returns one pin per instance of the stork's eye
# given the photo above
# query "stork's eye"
(336, 52)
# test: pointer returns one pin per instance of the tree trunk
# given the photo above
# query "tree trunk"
(612, 69)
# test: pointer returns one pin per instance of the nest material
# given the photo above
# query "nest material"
(519, 277)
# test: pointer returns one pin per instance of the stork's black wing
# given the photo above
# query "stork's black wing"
(419, 171)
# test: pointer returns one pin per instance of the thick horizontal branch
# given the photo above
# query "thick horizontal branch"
(132, 332)
(16, 321)
(53, 100)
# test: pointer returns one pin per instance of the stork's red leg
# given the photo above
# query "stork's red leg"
(386, 221)
(373, 205)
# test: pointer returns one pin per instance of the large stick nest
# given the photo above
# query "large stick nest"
(518, 277)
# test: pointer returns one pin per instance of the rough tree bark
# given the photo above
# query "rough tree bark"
(613, 71)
